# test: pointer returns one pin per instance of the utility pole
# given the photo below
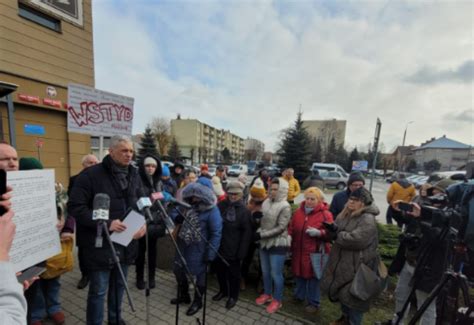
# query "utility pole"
(378, 127)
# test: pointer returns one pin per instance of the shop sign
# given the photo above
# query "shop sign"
(52, 102)
(33, 129)
(29, 98)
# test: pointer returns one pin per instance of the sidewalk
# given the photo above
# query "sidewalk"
(161, 311)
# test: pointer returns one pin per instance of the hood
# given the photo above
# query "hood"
(282, 190)
(371, 209)
(404, 183)
(177, 164)
(143, 174)
(204, 193)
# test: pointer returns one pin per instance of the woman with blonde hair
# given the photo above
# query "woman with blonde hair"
(308, 237)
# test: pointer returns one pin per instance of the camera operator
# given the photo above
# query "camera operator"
(421, 256)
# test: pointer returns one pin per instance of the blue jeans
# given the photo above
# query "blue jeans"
(308, 290)
(272, 272)
(354, 316)
(102, 283)
(46, 301)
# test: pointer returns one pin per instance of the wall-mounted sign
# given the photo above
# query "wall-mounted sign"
(51, 91)
(33, 129)
(52, 102)
(95, 112)
(29, 98)
(69, 10)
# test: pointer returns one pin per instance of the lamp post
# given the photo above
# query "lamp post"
(403, 145)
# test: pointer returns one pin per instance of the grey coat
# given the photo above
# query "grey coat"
(357, 239)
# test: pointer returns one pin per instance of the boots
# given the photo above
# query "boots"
(140, 282)
(184, 297)
(151, 280)
(197, 302)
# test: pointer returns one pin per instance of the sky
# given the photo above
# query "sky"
(250, 66)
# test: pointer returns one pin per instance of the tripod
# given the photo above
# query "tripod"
(118, 267)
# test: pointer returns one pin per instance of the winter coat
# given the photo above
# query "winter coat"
(314, 181)
(210, 227)
(338, 202)
(401, 190)
(170, 186)
(302, 244)
(236, 234)
(276, 216)
(293, 188)
(101, 179)
(357, 241)
(12, 299)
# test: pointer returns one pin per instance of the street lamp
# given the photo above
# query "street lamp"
(403, 145)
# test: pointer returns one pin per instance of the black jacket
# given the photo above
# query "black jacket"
(236, 235)
(100, 179)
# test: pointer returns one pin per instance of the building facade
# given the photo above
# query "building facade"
(203, 143)
(44, 45)
(325, 130)
(253, 149)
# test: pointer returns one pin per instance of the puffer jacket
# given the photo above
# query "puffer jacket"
(293, 188)
(356, 242)
(401, 190)
(276, 216)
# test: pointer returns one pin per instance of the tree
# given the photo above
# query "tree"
(353, 156)
(341, 156)
(161, 129)
(174, 153)
(226, 156)
(317, 154)
(148, 145)
(432, 165)
(331, 152)
(295, 149)
(412, 166)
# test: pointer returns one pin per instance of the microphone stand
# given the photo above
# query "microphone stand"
(116, 259)
(164, 216)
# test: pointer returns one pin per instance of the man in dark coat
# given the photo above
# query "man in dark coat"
(177, 173)
(314, 180)
(339, 200)
(87, 161)
(236, 238)
(116, 177)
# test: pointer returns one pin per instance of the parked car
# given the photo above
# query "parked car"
(237, 169)
(212, 171)
(420, 181)
(328, 167)
(437, 176)
(334, 179)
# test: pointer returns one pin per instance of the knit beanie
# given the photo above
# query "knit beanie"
(28, 163)
(217, 186)
(442, 185)
(204, 167)
(315, 191)
(363, 195)
(355, 177)
(205, 181)
(235, 187)
(257, 191)
(150, 161)
(165, 171)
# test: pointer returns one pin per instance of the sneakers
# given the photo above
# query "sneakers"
(311, 309)
(263, 299)
(274, 306)
(58, 318)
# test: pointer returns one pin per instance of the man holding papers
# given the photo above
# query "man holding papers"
(117, 178)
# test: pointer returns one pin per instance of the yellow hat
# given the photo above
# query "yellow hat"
(257, 191)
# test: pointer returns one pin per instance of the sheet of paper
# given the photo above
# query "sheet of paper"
(34, 204)
(134, 221)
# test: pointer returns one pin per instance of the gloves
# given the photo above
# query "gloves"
(313, 232)
(166, 196)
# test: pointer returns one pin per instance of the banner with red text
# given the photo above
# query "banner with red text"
(96, 112)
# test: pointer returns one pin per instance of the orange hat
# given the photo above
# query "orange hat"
(204, 167)
(257, 191)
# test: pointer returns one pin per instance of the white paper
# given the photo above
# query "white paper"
(34, 204)
(134, 221)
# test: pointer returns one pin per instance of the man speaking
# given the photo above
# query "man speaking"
(117, 178)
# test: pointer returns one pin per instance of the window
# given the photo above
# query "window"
(39, 17)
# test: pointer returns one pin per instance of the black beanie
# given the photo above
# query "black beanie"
(363, 195)
(355, 177)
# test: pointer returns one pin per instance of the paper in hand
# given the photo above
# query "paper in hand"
(134, 221)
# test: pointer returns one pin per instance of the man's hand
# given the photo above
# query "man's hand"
(29, 282)
(140, 233)
(117, 226)
(416, 210)
(7, 233)
(5, 199)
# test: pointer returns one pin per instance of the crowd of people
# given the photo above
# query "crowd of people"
(229, 226)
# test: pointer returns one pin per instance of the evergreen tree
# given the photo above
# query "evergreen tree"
(148, 145)
(342, 156)
(317, 154)
(411, 166)
(432, 165)
(174, 153)
(295, 149)
(331, 152)
(354, 156)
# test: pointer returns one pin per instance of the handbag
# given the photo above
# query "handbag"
(61, 263)
(319, 261)
(369, 283)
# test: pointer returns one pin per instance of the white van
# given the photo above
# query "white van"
(236, 169)
(329, 167)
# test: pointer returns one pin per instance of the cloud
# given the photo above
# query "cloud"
(248, 66)
(466, 116)
(430, 75)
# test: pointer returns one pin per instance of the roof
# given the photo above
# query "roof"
(444, 143)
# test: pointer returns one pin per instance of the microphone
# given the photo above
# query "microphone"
(144, 205)
(100, 205)
(165, 196)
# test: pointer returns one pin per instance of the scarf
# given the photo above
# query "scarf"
(121, 175)
(191, 228)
